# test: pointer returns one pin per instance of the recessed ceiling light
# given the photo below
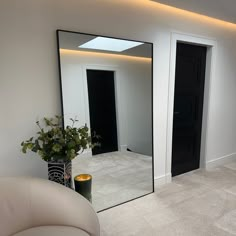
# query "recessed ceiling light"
(109, 44)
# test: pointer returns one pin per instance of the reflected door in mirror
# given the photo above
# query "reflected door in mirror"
(102, 110)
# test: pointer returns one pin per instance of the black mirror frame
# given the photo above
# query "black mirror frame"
(61, 97)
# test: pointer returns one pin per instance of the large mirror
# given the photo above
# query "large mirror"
(107, 84)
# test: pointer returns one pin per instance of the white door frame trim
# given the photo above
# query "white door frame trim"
(210, 62)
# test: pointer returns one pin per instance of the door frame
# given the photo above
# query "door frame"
(117, 86)
(211, 45)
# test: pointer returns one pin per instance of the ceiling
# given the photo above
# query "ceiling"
(220, 9)
(71, 41)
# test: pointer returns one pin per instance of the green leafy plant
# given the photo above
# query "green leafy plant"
(55, 143)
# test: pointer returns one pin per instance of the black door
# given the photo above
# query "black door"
(102, 109)
(188, 107)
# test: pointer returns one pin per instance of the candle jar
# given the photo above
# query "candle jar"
(83, 185)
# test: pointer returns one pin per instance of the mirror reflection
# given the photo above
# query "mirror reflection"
(107, 84)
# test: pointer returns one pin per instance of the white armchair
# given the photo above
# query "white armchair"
(37, 207)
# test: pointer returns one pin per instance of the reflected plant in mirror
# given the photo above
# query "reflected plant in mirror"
(108, 83)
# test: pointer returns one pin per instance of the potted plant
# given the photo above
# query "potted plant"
(58, 146)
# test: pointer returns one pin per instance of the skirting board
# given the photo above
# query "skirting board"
(221, 161)
(123, 148)
(161, 180)
(165, 179)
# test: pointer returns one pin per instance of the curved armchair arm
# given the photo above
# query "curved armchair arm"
(32, 202)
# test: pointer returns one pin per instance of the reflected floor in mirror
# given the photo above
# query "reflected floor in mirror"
(117, 176)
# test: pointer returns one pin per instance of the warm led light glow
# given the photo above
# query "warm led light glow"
(109, 44)
(110, 55)
(83, 177)
(177, 11)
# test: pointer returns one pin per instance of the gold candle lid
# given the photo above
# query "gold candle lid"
(83, 177)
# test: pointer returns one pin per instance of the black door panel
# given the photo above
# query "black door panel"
(102, 109)
(188, 107)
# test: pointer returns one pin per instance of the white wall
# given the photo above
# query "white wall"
(133, 94)
(29, 83)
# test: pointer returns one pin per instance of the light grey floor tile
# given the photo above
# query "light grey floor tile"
(227, 222)
(121, 220)
(231, 165)
(161, 217)
(213, 204)
(199, 203)
(231, 190)
(148, 204)
(192, 226)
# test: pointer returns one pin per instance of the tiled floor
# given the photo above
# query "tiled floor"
(199, 203)
(117, 177)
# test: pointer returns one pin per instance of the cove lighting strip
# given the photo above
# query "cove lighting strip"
(185, 13)
(105, 55)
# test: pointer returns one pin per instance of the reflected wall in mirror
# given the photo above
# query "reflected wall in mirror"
(107, 83)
